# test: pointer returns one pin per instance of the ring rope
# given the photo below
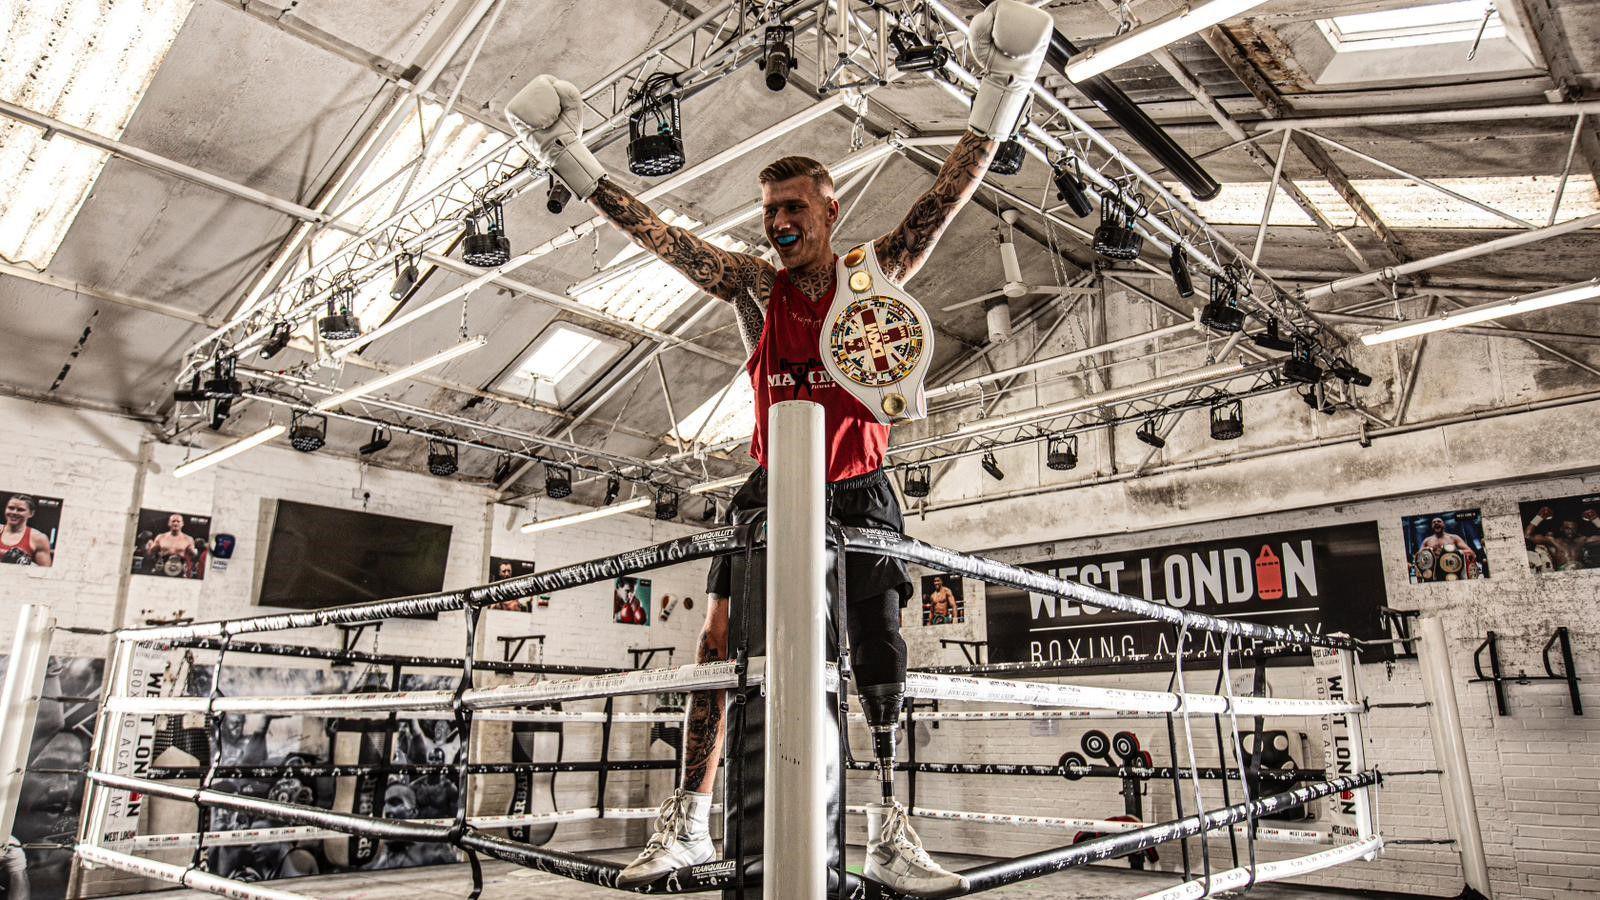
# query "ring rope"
(1238, 755)
(1188, 740)
(1244, 877)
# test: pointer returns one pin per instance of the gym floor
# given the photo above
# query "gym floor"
(504, 881)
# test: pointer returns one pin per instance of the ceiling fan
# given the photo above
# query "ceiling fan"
(996, 304)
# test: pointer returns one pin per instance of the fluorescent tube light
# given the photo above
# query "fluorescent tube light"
(589, 515)
(378, 384)
(1147, 38)
(706, 487)
(1484, 312)
(229, 451)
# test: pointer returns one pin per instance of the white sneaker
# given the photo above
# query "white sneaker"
(682, 838)
(895, 856)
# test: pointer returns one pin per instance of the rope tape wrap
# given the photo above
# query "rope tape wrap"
(1270, 871)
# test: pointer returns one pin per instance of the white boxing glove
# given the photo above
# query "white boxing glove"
(548, 117)
(1009, 39)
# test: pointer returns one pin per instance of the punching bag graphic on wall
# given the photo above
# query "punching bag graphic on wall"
(1269, 574)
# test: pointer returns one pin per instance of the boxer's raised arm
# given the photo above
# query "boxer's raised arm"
(902, 251)
(1008, 41)
(739, 278)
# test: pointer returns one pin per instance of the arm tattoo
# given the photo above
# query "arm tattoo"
(902, 251)
(739, 278)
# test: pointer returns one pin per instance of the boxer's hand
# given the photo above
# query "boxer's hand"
(1546, 512)
(1008, 39)
(547, 116)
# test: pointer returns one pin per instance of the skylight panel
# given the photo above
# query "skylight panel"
(560, 364)
(725, 416)
(87, 63)
(558, 354)
(1403, 204)
(1413, 26)
(650, 294)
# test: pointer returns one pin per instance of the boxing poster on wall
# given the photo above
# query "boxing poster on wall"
(943, 602)
(31, 526)
(1445, 546)
(630, 601)
(1562, 534)
(52, 790)
(170, 544)
(1319, 579)
(503, 567)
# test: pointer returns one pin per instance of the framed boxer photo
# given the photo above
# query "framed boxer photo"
(503, 567)
(630, 601)
(1562, 534)
(32, 524)
(943, 601)
(1445, 546)
(171, 544)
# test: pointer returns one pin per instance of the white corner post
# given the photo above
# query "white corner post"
(19, 703)
(795, 832)
(1450, 752)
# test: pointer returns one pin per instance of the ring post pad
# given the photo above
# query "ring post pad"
(877, 340)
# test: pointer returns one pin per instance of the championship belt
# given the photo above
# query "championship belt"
(877, 342)
(1451, 563)
(1425, 560)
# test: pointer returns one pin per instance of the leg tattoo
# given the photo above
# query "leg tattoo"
(704, 728)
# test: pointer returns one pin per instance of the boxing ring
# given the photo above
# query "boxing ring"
(796, 680)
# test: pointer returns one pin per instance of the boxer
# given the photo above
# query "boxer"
(20, 543)
(172, 542)
(1566, 545)
(780, 314)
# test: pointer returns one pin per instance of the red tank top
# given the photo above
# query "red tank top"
(785, 366)
(25, 544)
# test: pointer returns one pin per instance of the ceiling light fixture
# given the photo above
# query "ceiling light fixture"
(443, 458)
(340, 324)
(228, 451)
(1069, 187)
(913, 53)
(486, 245)
(1147, 434)
(613, 488)
(1061, 452)
(277, 339)
(1271, 339)
(1116, 237)
(1301, 366)
(1227, 419)
(398, 375)
(1008, 158)
(308, 432)
(777, 55)
(588, 515)
(1222, 313)
(655, 129)
(1145, 39)
(557, 481)
(919, 481)
(1485, 312)
(405, 278)
(666, 504)
(992, 466)
(1178, 264)
(556, 197)
(380, 440)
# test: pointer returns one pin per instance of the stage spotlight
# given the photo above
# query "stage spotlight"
(380, 440)
(1147, 434)
(1222, 314)
(1301, 366)
(919, 481)
(992, 466)
(1061, 452)
(1116, 237)
(503, 468)
(777, 55)
(1069, 187)
(1271, 339)
(1227, 419)
(666, 504)
(556, 197)
(1316, 397)
(709, 514)
(405, 278)
(613, 488)
(486, 245)
(308, 432)
(194, 393)
(1008, 159)
(1349, 374)
(219, 412)
(914, 54)
(557, 481)
(1178, 263)
(655, 129)
(277, 339)
(443, 460)
(340, 324)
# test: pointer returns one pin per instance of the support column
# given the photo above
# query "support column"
(797, 745)
(19, 704)
(1450, 751)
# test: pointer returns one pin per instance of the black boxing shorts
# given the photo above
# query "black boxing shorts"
(866, 501)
